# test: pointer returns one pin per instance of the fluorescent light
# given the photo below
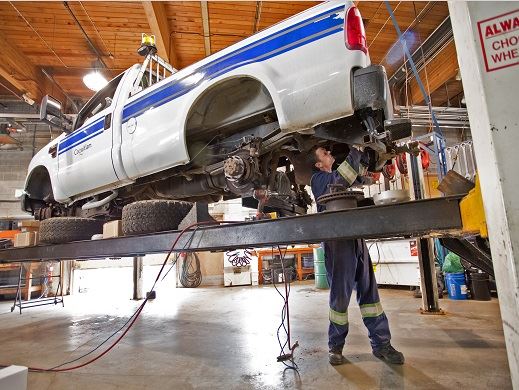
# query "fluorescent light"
(94, 81)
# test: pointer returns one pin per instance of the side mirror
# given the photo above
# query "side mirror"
(50, 112)
(50, 107)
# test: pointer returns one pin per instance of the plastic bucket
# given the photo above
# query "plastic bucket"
(479, 287)
(456, 286)
(320, 269)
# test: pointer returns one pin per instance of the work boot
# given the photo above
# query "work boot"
(335, 358)
(389, 354)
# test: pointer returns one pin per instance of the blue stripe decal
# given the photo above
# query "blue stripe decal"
(293, 37)
(282, 41)
(80, 142)
(81, 135)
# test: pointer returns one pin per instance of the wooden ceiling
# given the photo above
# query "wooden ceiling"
(44, 35)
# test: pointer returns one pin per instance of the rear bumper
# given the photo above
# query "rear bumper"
(371, 90)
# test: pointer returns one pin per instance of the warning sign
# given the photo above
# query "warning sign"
(413, 247)
(499, 38)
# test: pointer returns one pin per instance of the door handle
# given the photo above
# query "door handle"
(108, 121)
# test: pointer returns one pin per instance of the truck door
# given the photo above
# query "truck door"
(85, 155)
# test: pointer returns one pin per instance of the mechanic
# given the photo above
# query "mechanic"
(348, 266)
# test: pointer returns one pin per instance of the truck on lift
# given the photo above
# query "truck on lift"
(238, 123)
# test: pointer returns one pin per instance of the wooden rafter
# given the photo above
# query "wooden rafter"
(19, 71)
(441, 68)
(205, 25)
(158, 21)
(257, 17)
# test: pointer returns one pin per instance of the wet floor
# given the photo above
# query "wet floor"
(225, 338)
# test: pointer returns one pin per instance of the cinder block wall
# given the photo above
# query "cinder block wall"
(14, 162)
(13, 165)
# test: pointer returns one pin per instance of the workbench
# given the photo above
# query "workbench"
(296, 252)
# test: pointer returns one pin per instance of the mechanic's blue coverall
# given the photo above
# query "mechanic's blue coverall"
(348, 266)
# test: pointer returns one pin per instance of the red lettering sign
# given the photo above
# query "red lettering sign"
(499, 37)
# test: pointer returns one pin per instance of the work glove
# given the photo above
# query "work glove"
(367, 161)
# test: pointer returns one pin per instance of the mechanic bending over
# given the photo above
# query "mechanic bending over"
(348, 266)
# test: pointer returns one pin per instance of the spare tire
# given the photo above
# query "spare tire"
(59, 230)
(150, 216)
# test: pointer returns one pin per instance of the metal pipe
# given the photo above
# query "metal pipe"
(90, 43)
(431, 46)
(99, 203)
(425, 10)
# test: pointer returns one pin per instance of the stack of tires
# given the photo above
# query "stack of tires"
(142, 217)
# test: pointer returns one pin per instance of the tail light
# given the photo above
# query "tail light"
(354, 34)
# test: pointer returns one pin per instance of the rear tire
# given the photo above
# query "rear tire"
(150, 216)
(60, 230)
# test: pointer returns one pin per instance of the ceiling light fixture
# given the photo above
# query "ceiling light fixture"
(95, 80)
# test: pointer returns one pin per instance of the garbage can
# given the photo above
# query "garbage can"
(320, 269)
(456, 285)
(479, 286)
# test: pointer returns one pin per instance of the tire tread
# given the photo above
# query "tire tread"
(150, 216)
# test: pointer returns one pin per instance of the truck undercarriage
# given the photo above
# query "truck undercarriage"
(268, 167)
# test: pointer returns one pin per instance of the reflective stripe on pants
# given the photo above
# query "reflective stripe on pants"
(371, 310)
(338, 318)
(348, 267)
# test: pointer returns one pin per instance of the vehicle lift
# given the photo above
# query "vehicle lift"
(425, 218)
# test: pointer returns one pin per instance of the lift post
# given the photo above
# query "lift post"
(485, 34)
(428, 284)
(138, 277)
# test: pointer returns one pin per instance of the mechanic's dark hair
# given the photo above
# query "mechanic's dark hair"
(313, 155)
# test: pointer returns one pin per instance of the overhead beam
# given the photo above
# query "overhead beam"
(205, 25)
(20, 72)
(158, 21)
(257, 17)
(437, 71)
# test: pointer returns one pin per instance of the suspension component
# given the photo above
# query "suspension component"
(235, 168)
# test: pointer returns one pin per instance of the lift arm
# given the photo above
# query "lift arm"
(418, 218)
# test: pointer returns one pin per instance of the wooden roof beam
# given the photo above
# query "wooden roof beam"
(27, 78)
(158, 21)
(20, 72)
(441, 68)
(205, 25)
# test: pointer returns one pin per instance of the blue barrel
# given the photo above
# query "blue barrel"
(456, 285)
(320, 269)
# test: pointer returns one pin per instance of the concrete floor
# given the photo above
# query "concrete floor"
(216, 338)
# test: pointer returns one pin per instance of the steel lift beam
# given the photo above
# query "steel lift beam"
(438, 216)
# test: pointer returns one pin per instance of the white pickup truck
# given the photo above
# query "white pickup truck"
(239, 121)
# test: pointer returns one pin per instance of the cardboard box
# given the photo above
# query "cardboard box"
(112, 229)
(29, 223)
(26, 239)
(29, 226)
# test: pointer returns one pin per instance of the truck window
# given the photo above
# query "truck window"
(98, 102)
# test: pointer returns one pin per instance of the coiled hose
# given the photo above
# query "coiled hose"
(190, 274)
